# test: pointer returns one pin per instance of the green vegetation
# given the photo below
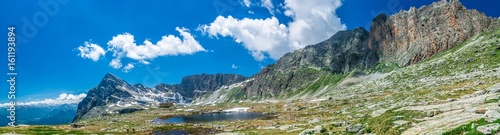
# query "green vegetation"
(471, 128)
(384, 67)
(235, 95)
(384, 124)
(186, 128)
(327, 79)
(38, 130)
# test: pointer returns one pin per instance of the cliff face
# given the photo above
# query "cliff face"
(343, 52)
(404, 38)
(411, 36)
(196, 85)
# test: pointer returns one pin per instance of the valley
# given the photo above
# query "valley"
(431, 70)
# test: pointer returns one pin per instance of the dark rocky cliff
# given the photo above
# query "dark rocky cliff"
(343, 52)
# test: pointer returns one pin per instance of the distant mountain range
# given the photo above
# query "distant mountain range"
(41, 114)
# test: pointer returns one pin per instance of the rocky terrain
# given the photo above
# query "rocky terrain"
(431, 70)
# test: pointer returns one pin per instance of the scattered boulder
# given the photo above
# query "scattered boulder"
(491, 115)
(354, 128)
(398, 117)
(432, 113)
(316, 130)
(379, 112)
(488, 129)
(315, 120)
(319, 129)
(340, 123)
(360, 132)
(285, 127)
(74, 125)
(479, 93)
(469, 60)
(307, 132)
(494, 88)
(480, 111)
(399, 123)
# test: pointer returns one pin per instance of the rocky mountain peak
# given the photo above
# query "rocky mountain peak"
(111, 80)
(110, 76)
(139, 85)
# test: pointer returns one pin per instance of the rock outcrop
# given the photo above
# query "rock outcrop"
(411, 36)
(196, 85)
(343, 52)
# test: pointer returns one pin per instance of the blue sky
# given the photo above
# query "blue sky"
(51, 63)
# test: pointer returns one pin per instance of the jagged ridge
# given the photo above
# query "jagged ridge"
(113, 94)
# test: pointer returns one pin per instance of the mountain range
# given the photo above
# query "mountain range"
(45, 114)
(387, 60)
(113, 95)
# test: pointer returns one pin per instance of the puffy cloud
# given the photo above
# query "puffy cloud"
(115, 63)
(269, 5)
(91, 51)
(62, 99)
(124, 45)
(312, 22)
(259, 36)
(128, 67)
(247, 3)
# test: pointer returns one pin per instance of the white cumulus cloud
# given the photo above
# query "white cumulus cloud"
(259, 36)
(115, 63)
(91, 51)
(125, 46)
(128, 67)
(312, 21)
(269, 5)
(247, 3)
(62, 99)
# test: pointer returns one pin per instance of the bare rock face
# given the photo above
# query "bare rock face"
(411, 36)
(205, 82)
(343, 52)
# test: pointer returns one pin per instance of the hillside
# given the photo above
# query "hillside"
(402, 39)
